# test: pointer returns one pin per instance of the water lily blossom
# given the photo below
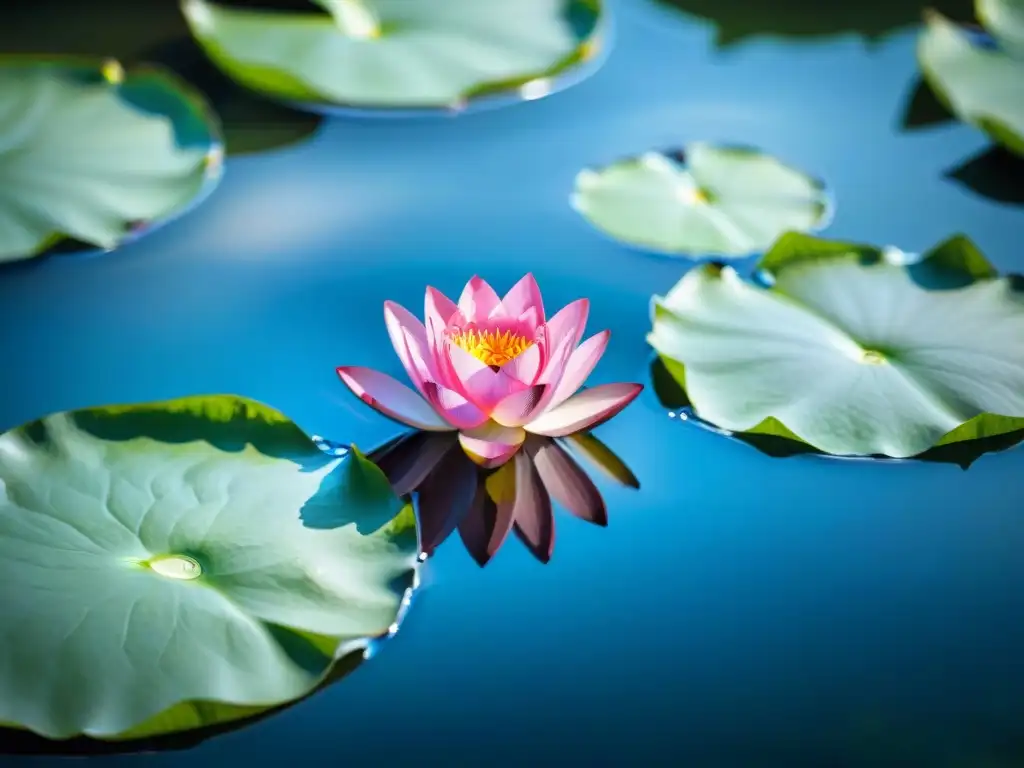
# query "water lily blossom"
(493, 369)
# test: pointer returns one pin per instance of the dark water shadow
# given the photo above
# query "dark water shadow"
(155, 32)
(452, 493)
(737, 21)
(23, 743)
(673, 397)
(994, 173)
(923, 109)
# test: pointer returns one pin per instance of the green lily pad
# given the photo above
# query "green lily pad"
(144, 148)
(395, 54)
(159, 576)
(706, 200)
(155, 34)
(854, 350)
(1004, 19)
(983, 86)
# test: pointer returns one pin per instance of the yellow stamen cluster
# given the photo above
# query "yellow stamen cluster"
(492, 347)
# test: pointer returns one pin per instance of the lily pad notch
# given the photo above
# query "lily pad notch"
(392, 57)
(851, 349)
(146, 149)
(159, 575)
(702, 201)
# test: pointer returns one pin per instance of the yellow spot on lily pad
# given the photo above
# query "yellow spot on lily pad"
(181, 567)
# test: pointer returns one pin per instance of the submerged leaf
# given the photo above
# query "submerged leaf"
(738, 21)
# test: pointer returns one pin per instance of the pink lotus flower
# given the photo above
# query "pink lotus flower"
(492, 369)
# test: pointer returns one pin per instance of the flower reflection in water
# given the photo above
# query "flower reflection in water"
(486, 504)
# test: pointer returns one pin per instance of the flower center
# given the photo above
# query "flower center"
(494, 348)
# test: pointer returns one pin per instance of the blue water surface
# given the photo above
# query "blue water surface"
(738, 610)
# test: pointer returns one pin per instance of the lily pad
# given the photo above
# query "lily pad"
(95, 154)
(155, 34)
(852, 349)
(982, 85)
(706, 200)
(400, 55)
(158, 574)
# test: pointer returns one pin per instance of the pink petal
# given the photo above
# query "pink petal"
(491, 445)
(551, 376)
(478, 300)
(438, 311)
(525, 367)
(454, 407)
(392, 398)
(531, 510)
(585, 410)
(516, 409)
(523, 297)
(580, 365)
(532, 319)
(478, 381)
(408, 337)
(569, 322)
(567, 482)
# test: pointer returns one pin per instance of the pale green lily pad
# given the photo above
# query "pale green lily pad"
(1004, 19)
(158, 575)
(983, 86)
(396, 54)
(95, 154)
(704, 201)
(853, 350)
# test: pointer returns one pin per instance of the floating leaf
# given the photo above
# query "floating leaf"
(358, 492)
(737, 21)
(96, 154)
(158, 575)
(155, 34)
(981, 85)
(853, 350)
(706, 201)
(396, 54)
(1004, 19)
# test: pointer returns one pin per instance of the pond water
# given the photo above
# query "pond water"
(738, 610)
